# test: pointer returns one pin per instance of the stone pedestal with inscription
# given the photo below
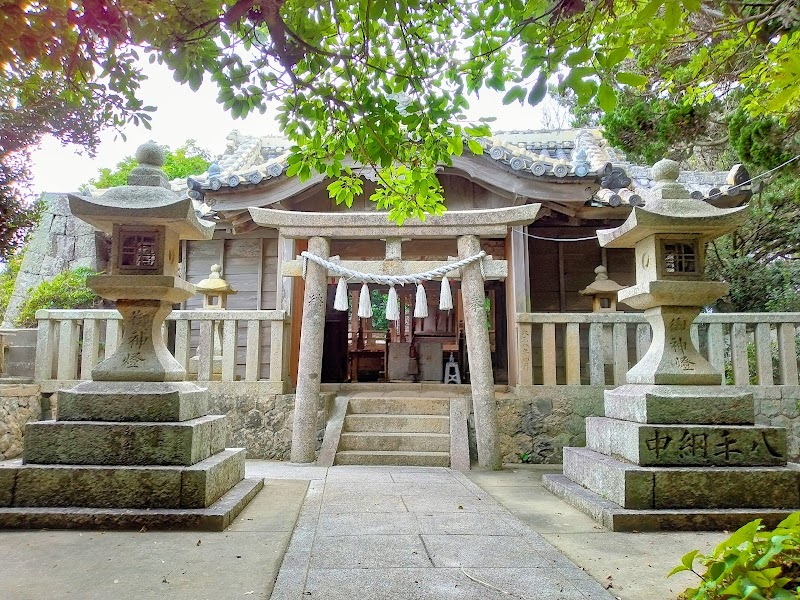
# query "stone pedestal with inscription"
(676, 450)
(135, 447)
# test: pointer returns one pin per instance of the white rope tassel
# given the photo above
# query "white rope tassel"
(392, 306)
(445, 296)
(421, 305)
(340, 302)
(364, 303)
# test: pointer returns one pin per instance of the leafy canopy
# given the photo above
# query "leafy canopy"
(385, 82)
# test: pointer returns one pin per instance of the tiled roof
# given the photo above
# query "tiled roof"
(249, 160)
(570, 154)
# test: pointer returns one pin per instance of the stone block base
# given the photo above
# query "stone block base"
(634, 487)
(132, 401)
(216, 517)
(107, 443)
(197, 486)
(616, 518)
(679, 404)
(687, 445)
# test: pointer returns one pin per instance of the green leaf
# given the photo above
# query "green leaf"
(616, 56)
(633, 79)
(475, 147)
(648, 12)
(688, 559)
(606, 97)
(672, 14)
(539, 90)
(579, 57)
(516, 93)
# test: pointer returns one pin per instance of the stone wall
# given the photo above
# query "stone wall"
(18, 405)
(259, 421)
(779, 406)
(537, 422)
(59, 243)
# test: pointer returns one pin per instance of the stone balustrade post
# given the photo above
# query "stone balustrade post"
(309, 366)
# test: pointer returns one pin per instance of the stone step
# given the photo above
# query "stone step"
(395, 442)
(635, 487)
(124, 401)
(687, 445)
(400, 406)
(113, 443)
(408, 459)
(680, 404)
(216, 517)
(616, 518)
(397, 423)
(197, 486)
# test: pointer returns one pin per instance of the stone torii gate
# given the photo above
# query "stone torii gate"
(467, 226)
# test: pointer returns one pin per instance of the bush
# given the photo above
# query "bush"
(66, 290)
(7, 278)
(751, 563)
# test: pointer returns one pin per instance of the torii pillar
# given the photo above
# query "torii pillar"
(309, 367)
(479, 354)
(467, 226)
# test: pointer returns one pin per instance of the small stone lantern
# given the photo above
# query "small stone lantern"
(215, 291)
(147, 220)
(669, 237)
(603, 291)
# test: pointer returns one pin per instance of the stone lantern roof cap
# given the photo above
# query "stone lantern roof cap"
(601, 284)
(214, 284)
(669, 208)
(146, 200)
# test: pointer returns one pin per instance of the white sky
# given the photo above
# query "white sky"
(183, 114)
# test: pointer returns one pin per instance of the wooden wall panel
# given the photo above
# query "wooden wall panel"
(557, 282)
(249, 265)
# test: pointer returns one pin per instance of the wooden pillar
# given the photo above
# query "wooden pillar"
(518, 298)
(304, 429)
(480, 359)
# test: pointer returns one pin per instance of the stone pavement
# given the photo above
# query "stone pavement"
(361, 533)
(406, 533)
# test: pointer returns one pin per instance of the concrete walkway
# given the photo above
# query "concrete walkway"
(404, 533)
(363, 533)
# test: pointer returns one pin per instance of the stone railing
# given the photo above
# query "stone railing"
(599, 348)
(71, 342)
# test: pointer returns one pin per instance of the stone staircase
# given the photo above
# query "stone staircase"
(411, 431)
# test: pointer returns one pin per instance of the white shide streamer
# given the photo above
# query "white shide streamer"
(392, 306)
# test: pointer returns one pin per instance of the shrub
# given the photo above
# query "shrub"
(65, 290)
(751, 563)
(7, 278)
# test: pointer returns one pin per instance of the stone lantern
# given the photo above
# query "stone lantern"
(669, 238)
(135, 447)
(675, 450)
(215, 291)
(146, 220)
(603, 291)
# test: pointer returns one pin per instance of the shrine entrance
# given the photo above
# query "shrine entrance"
(375, 349)
(471, 268)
